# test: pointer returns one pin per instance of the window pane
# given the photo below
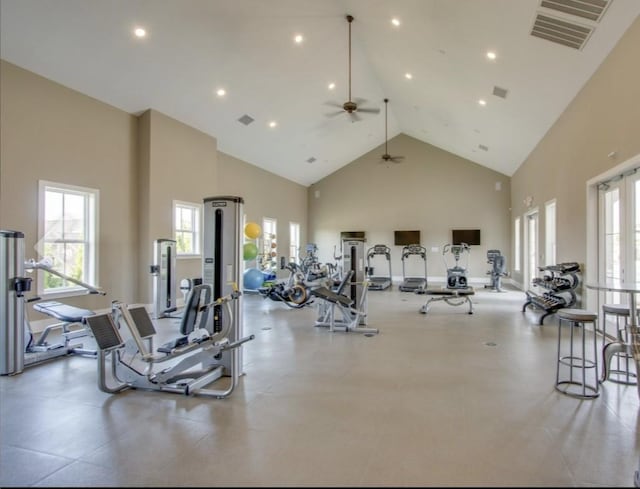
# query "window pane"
(53, 215)
(74, 217)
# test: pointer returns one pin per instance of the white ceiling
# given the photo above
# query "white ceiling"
(194, 47)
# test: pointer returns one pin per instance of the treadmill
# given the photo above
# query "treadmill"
(379, 282)
(414, 284)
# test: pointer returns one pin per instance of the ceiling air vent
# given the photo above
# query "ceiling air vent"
(483, 147)
(561, 31)
(311, 160)
(587, 9)
(500, 92)
(246, 120)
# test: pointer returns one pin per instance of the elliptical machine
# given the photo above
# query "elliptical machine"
(456, 275)
(498, 270)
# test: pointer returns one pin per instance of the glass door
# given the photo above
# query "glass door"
(531, 247)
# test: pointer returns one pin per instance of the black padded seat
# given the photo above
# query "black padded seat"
(442, 291)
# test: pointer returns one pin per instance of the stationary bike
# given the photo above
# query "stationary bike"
(456, 275)
(498, 270)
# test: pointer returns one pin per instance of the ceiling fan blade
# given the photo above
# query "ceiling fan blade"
(333, 114)
(354, 117)
(397, 159)
(333, 104)
(369, 111)
(358, 100)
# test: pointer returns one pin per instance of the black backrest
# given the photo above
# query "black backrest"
(199, 297)
(104, 331)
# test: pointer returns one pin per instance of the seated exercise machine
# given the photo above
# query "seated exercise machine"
(414, 284)
(20, 346)
(294, 292)
(498, 270)
(457, 291)
(379, 282)
(351, 318)
(191, 362)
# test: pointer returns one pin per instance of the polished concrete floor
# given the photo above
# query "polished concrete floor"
(438, 399)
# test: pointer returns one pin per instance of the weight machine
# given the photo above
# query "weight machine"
(193, 361)
(19, 346)
(164, 279)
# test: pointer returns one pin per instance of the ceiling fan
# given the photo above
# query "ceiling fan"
(386, 156)
(351, 106)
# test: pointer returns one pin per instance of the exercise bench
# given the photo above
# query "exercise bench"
(453, 297)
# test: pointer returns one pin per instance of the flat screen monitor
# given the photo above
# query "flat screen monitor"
(405, 238)
(469, 236)
(347, 235)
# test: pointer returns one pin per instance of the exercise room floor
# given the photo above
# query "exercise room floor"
(442, 399)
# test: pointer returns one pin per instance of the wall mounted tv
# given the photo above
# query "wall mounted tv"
(406, 238)
(469, 236)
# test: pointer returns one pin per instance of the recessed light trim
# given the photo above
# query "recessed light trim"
(298, 38)
(221, 92)
(491, 55)
(395, 21)
(408, 76)
(482, 102)
(140, 32)
(331, 86)
(273, 124)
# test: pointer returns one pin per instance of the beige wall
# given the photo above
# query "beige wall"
(53, 133)
(431, 190)
(603, 117)
(265, 195)
(139, 165)
(177, 162)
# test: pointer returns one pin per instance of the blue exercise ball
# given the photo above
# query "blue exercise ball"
(253, 278)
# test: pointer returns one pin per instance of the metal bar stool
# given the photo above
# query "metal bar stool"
(623, 370)
(580, 368)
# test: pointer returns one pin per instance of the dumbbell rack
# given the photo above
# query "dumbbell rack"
(560, 282)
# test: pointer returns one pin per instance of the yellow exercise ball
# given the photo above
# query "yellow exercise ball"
(252, 230)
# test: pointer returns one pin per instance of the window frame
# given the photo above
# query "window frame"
(196, 222)
(294, 242)
(91, 224)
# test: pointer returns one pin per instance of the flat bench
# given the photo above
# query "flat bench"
(453, 297)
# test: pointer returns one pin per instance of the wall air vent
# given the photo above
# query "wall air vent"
(246, 120)
(561, 31)
(587, 9)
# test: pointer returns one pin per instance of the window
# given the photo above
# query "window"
(269, 244)
(186, 225)
(550, 232)
(294, 242)
(516, 245)
(67, 224)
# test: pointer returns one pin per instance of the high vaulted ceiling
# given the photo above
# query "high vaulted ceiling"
(195, 47)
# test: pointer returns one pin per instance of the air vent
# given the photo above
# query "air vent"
(311, 160)
(483, 147)
(500, 92)
(561, 31)
(246, 120)
(587, 9)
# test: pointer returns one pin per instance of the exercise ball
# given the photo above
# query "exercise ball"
(253, 278)
(274, 244)
(252, 230)
(249, 251)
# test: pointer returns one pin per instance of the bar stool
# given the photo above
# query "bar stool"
(580, 368)
(624, 361)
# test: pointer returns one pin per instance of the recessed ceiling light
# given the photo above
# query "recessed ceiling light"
(140, 32)
(482, 102)
(491, 55)
(332, 86)
(395, 21)
(221, 92)
(408, 76)
(273, 124)
(298, 38)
